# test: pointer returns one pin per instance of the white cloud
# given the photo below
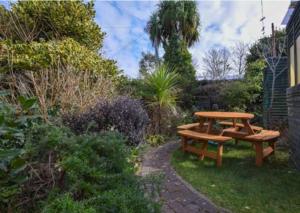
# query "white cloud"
(222, 24)
(236, 21)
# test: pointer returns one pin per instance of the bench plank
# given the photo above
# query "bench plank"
(190, 126)
(228, 123)
(203, 136)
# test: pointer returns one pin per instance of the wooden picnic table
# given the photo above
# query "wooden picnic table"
(239, 131)
(211, 117)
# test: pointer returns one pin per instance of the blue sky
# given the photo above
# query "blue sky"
(222, 24)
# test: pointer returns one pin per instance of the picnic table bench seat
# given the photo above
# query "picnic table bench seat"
(263, 136)
(203, 138)
(228, 123)
(268, 136)
(189, 126)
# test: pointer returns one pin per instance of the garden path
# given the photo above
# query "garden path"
(177, 195)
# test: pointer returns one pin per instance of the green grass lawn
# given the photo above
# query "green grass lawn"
(239, 185)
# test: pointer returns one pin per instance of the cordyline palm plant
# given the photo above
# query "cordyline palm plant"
(174, 18)
(161, 92)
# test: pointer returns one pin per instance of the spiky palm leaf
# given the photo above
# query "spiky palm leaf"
(161, 88)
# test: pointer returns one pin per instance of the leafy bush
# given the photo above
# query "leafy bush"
(14, 123)
(122, 114)
(98, 175)
(15, 120)
(66, 204)
(12, 176)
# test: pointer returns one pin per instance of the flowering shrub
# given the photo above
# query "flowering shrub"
(123, 114)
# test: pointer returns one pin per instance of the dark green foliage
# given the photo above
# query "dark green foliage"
(67, 172)
(174, 18)
(96, 164)
(178, 57)
(52, 170)
(246, 95)
(12, 175)
(66, 204)
(123, 114)
(237, 96)
(262, 46)
(14, 122)
(176, 25)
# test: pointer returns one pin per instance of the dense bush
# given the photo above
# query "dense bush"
(58, 171)
(47, 168)
(40, 20)
(56, 54)
(123, 114)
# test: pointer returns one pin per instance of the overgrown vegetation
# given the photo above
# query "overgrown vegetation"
(45, 167)
(54, 59)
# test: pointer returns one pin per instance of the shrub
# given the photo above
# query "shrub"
(98, 175)
(14, 120)
(122, 114)
(66, 204)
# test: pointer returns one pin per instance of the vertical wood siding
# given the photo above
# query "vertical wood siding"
(293, 93)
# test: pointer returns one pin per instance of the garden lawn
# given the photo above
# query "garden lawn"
(239, 185)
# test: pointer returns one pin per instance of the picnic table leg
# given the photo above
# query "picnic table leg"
(201, 123)
(219, 154)
(272, 144)
(203, 150)
(259, 153)
(248, 126)
(236, 141)
(210, 124)
(183, 143)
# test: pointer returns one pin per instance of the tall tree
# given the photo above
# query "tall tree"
(179, 18)
(175, 26)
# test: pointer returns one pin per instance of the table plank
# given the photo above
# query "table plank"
(225, 115)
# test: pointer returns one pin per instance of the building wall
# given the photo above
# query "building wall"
(293, 93)
(293, 102)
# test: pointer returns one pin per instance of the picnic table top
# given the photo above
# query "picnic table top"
(225, 115)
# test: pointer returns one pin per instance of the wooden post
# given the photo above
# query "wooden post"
(203, 150)
(259, 153)
(210, 125)
(183, 143)
(219, 154)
